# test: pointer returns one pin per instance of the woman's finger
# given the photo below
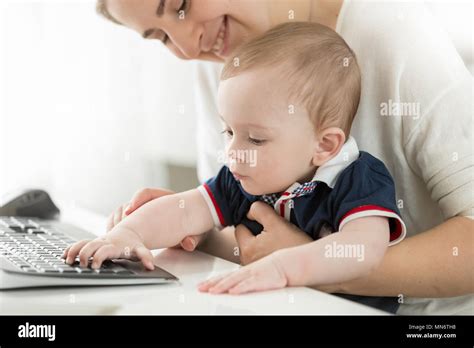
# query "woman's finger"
(110, 222)
(246, 243)
(74, 250)
(118, 215)
(263, 214)
(143, 196)
(190, 242)
(124, 208)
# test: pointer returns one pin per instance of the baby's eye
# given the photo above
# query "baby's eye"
(256, 141)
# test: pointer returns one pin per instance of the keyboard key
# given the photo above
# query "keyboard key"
(34, 230)
(104, 271)
(17, 228)
(87, 270)
(49, 270)
(29, 269)
(67, 270)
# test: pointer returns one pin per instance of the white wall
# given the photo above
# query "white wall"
(88, 110)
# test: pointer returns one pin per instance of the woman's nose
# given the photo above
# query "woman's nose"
(188, 41)
(190, 51)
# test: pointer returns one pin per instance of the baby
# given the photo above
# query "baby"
(287, 100)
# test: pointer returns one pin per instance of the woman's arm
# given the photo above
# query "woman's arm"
(436, 263)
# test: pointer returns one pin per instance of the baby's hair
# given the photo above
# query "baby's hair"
(101, 9)
(319, 67)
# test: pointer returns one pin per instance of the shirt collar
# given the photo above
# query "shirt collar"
(329, 171)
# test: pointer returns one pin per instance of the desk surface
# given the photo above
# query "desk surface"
(180, 298)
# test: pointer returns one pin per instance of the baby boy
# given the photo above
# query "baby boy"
(287, 100)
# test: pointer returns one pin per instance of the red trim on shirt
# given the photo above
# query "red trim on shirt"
(394, 235)
(216, 207)
(282, 208)
(282, 204)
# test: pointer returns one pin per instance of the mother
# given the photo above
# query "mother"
(415, 114)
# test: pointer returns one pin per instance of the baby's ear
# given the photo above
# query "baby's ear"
(328, 144)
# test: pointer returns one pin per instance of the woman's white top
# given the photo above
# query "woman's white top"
(415, 114)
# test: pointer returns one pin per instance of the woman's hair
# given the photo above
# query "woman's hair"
(320, 70)
(101, 8)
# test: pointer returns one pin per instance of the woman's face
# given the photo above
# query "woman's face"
(195, 29)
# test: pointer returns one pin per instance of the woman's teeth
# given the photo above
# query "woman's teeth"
(220, 39)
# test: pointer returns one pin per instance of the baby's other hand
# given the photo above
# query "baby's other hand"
(264, 274)
(125, 244)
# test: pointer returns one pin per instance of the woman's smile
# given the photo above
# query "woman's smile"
(221, 44)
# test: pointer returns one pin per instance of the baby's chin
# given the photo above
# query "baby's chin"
(250, 187)
(253, 188)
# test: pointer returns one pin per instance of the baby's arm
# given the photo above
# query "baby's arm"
(160, 223)
(165, 221)
(314, 263)
(319, 262)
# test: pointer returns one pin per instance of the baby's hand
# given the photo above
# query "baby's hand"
(118, 243)
(264, 274)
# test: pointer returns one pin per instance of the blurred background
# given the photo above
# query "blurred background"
(91, 112)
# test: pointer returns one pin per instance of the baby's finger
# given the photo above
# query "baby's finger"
(247, 285)
(74, 250)
(105, 252)
(63, 256)
(229, 282)
(205, 285)
(145, 256)
(88, 250)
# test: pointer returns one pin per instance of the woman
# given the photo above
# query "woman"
(414, 114)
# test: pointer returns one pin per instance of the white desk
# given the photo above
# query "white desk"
(179, 298)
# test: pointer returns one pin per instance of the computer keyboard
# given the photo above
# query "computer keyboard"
(31, 250)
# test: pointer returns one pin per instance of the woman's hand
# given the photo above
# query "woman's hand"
(264, 274)
(277, 234)
(139, 198)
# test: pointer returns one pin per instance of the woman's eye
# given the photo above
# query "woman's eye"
(181, 11)
(256, 141)
(183, 8)
(228, 132)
